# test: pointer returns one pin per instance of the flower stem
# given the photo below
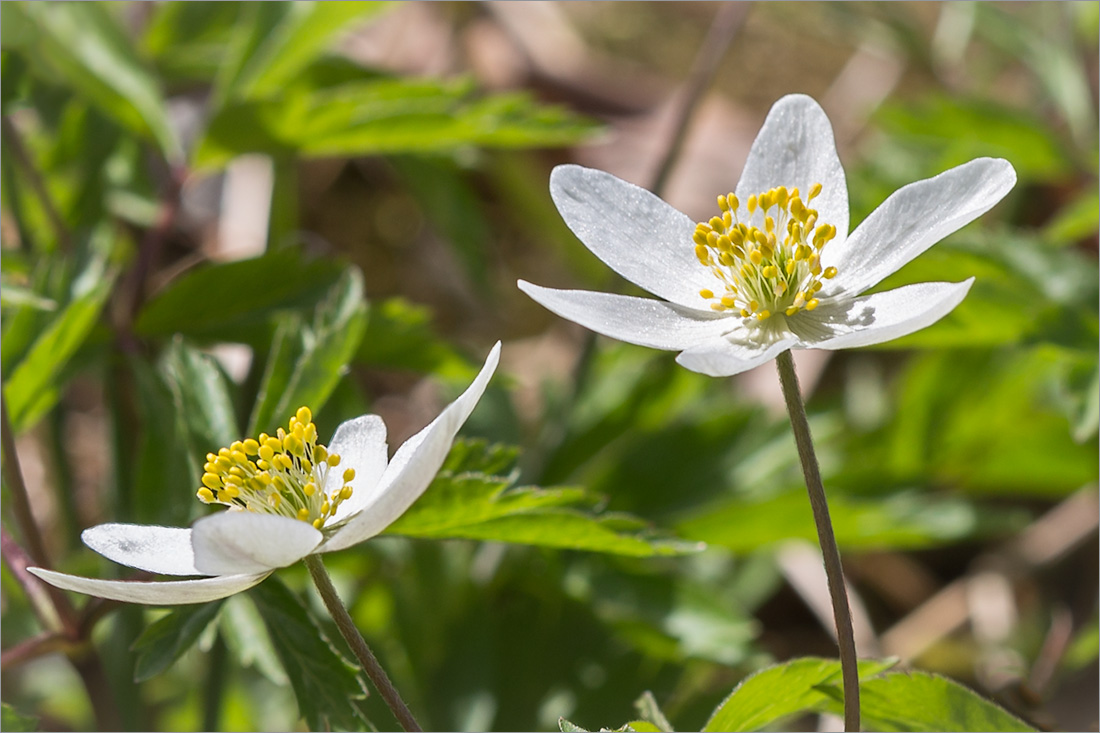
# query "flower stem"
(359, 645)
(833, 569)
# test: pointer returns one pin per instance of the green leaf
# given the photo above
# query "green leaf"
(166, 639)
(901, 520)
(919, 701)
(472, 505)
(201, 394)
(306, 30)
(399, 335)
(13, 720)
(778, 692)
(36, 375)
(384, 116)
(327, 686)
(248, 639)
(1077, 220)
(235, 301)
(82, 46)
(17, 296)
(308, 360)
(566, 727)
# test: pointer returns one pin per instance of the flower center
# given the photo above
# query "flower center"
(769, 270)
(284, 474)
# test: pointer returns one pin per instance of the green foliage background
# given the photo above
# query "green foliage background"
(554, 568)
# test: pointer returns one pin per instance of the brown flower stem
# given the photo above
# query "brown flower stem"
(358, 644)
(831, 555)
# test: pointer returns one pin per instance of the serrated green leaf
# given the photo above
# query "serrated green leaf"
(248, 639)
(384, 116)
(778, 692)
(470, 505)
(236, 301)
(652, 716)
(166, 639)
(919, 701)
(35, 376)
(13, 720)
(566, 727)
(327, 686)
(308, 360)
(82, 46)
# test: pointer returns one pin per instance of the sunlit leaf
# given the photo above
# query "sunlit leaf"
(919, 701)
(13, 720)
(776, 693)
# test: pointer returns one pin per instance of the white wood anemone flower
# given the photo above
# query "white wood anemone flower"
(288, 497)
(775, 268)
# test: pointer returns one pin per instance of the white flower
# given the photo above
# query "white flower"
(775, 268)
(288, 496)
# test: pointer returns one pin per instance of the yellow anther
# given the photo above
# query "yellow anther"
(792, 310)
(318, 523)
(345, 493)
(753, 305)
(751, 204)
(333, 459)
(310, 433)
(307, 467)
(702, 253)
(769, 223)
(763, 315)
(781, 196)
(712, 239)
(728, 301)
(811, 304)
(250, 446)
(303, 514)
(727, 220)
(727, 259)
(716, 222)
(265, 453)
(325, 507)
(310, 489)
(275, 444)
(717, 307)
(280, 434)
(231, 491)
(815, 286)
(724, 243)
(707, 294)
(723, 204)
(769, 271)
(745, 313)
(236, 446)
(734, 203)
(780, 288)
(814, 191)
(206, 495)
(211, 480)
(700, 237)
(756, 256)
(830, 273)
(791, 265)
(349, 475)
(320, 454)
(274, 499)
(304, 415)
(239, 456)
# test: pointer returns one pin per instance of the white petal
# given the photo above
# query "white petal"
(913, 219)
(413, 466)
(361, 445)
(165, 550)
(795, 147)
(234, 542)
(160, 593)
(725, 356)
(642, 321)
(880, 317)
(637, 234)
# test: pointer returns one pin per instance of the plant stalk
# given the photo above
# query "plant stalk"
(834, 572)
(358, 644)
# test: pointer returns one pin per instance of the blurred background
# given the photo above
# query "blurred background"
(228, 188)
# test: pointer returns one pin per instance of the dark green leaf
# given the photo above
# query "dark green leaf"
(236, 301)
(308, 360)
(328, 687)
(166, 639)
(778, 692)
(202, 398)
(651, 712)
(919, 701)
